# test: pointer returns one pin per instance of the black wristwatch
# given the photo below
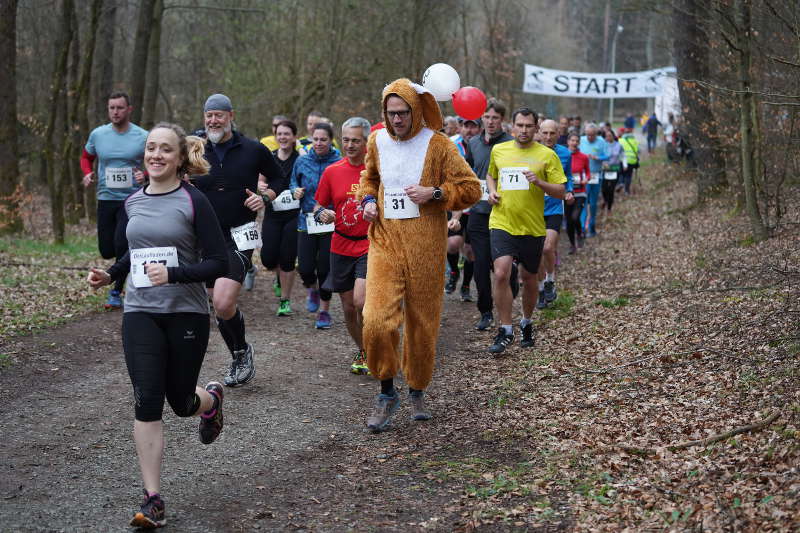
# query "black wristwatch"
(437, 193)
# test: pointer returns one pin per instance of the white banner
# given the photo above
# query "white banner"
(645, 84)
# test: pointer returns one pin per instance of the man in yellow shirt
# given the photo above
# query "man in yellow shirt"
(520, 172)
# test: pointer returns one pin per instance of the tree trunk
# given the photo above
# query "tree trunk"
(54, 181)
(104, 65)
(141, 48)
(73, 189)
(10, 217)
(153, 66)
(691, 59)
(82, 99)
(747, 103)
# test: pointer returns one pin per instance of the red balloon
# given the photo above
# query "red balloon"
(469, 102)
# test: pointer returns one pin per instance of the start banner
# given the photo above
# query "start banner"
(645, 84)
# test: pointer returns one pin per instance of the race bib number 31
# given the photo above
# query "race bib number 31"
(119, 178)
(285, 202)
(141, 257)
(246, 236)
(513, 179)
(313, 227)
(397, 204)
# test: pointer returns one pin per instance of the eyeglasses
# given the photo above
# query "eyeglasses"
(401, 114)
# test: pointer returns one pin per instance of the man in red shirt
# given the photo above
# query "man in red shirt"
(336, 203)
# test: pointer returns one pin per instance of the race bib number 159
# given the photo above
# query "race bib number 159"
(246, 236)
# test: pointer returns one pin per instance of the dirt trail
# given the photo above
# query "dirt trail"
(293, 455)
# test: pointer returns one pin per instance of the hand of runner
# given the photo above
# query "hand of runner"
(139, 176)
(530, 176)
(88, 179)
(262, 187)
(494, 198)
(254, 202)
(419, 194)
(569, 198)
(370, 211)
(299, 192)
(97, 278)
(157, 273)
(327, 216)
(454, 224)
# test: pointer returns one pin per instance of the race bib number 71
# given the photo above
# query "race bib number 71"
(513, 179)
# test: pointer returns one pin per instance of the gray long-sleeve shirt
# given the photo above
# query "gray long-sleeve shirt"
(182, 219)
(481, 150)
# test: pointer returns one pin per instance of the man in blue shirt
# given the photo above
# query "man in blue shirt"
(553, 215)
(595, 149)
(119, 147)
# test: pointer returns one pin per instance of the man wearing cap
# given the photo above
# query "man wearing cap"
(231, 186)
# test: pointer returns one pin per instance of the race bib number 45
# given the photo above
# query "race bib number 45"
(246, 236)
(119, 178)
(284, 202)
(513, 179)
(397, 204)
(141, 257)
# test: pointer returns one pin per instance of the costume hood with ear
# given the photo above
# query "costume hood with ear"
(424, 109)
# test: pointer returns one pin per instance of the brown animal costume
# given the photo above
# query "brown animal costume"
(405, 272)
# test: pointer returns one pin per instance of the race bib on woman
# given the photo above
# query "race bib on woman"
(594, 179)
(141, 257)
(397, 204)
(610, 176)
(246, 236)
(119, 178)
(285, 202)
(513, 179)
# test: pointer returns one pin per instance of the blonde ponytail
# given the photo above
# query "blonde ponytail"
(195, 158)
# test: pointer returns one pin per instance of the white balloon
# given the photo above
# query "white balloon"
(442, 81)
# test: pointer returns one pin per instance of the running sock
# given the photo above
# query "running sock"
(211, 413)
(508, 329)
(235, 327)
(550, 276)
(524, 322)
(226, 335)
(469, 268)
(412, 391)
(541, 286)
(387, 387)
(452, 260)
(150, 494)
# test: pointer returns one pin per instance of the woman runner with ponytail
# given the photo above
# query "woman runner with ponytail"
(175, 245)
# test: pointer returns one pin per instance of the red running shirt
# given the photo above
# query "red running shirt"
(580, 168)
(338, 187)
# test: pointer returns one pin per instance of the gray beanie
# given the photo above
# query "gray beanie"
(218, 102)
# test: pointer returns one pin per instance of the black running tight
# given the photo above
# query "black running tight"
(573, 213)
(608, 193)
(164, 353)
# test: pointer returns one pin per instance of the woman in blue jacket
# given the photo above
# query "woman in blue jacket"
(313, 239)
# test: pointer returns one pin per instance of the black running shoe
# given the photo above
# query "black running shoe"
(450, 286)
(486, 321)
(230, 377)
(501, 341)
(246, 369)
(542, 303)
(550, 294)
(210, 428)
(528, 340)
(151, 514)
(465, 295)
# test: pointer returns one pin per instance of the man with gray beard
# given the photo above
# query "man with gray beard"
(231, 186)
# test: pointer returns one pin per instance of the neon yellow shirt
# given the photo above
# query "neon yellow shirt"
(521, 212)
(270, 143)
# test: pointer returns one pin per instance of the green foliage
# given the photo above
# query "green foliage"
(619, 301)
(560, 308)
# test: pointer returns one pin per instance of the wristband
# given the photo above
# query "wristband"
(317, 213)
(367, 199)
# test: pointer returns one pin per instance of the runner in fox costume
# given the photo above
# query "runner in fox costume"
(413, 176)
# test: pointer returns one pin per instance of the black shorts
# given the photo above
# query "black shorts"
(345, 269)
(462, 230)
(239, 262)
(553, 222)
(527, 249)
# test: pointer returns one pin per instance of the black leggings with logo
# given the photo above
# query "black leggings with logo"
(164, 353)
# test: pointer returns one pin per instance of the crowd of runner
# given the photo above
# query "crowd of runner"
(184, 215)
